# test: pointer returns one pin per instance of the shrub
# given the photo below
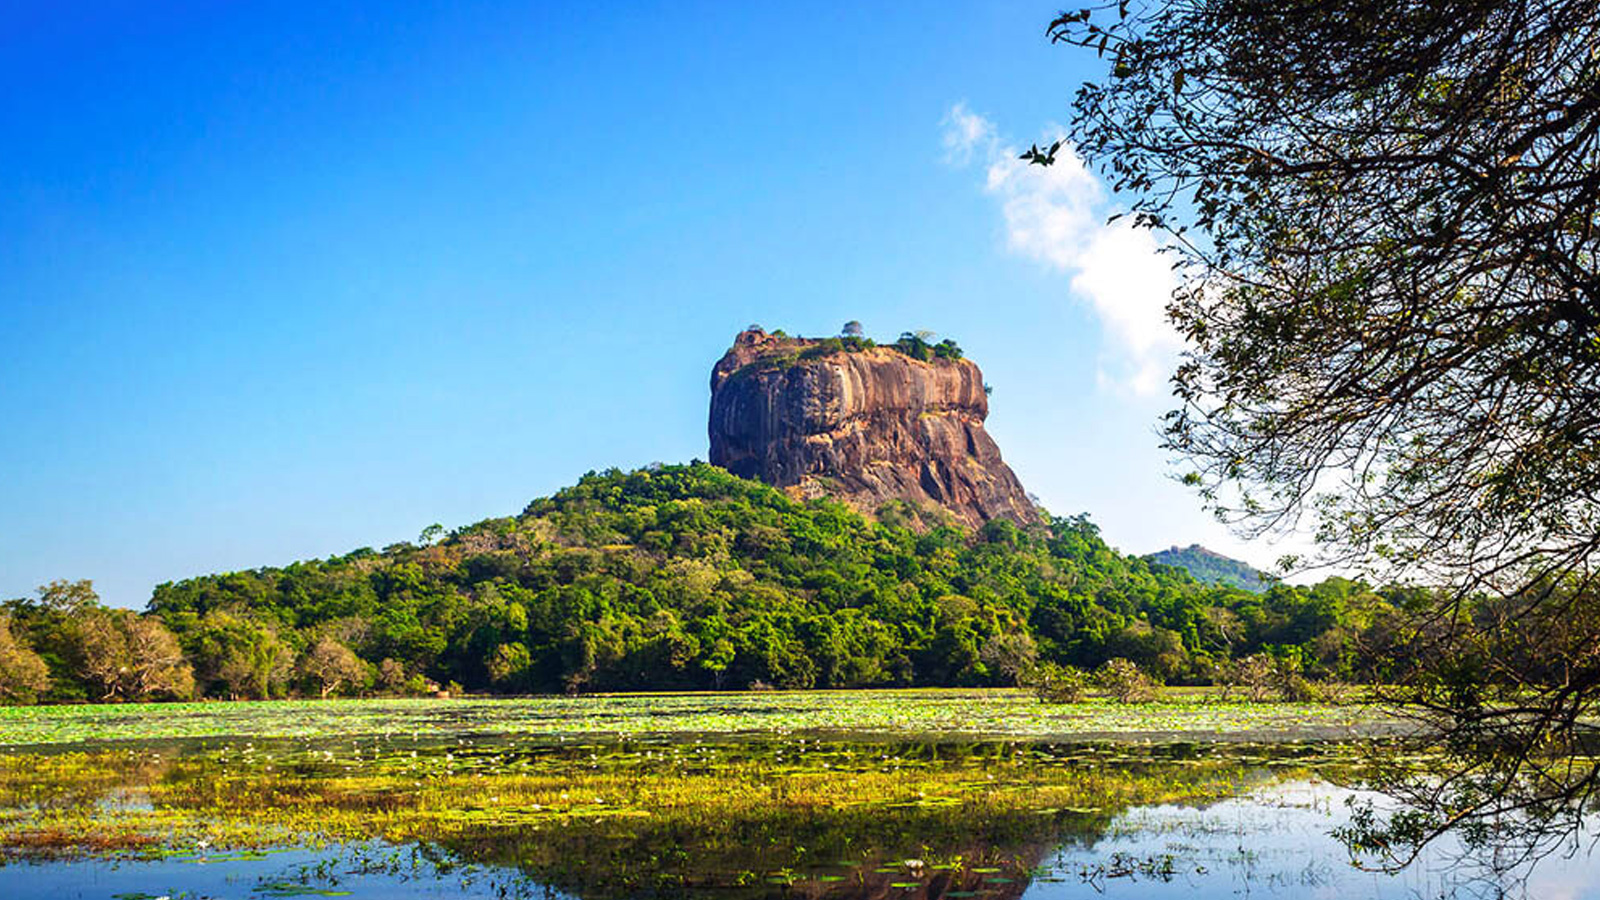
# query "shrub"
(1289, 678)
(391, 676)
(824, 347)
(1265, 677)
(1054, 683)
(1296, 688)
(913, 345)
(1125, 681)
(1336, 693)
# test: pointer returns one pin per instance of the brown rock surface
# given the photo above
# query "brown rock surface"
(864, 427)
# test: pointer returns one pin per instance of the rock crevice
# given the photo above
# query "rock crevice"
(865, 427)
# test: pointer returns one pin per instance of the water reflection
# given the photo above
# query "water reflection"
(758, 819)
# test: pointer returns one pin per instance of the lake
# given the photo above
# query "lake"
(788, 797)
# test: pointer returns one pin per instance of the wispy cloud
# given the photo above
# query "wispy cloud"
(1056, 216)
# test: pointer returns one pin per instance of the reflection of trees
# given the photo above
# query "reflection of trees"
(1509, 803)
(990, 838)
(1503, 690)
(828, 855)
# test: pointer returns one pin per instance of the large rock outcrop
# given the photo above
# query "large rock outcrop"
(864, 426)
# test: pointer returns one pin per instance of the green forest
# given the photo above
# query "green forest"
(681, 577)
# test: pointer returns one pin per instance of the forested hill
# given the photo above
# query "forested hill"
(1211, 567)
(689, 577)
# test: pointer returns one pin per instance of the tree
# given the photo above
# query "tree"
(23, 674)
(851, 328)
(1393, 268)
(508, 665)
(1388, 220)
(716, 660)
(331, 665)
(1254, 674)
(915, 344)
(431, 534)
(69, 596)
(391, 676)
(1008, 655)
(129, 656)
(104, 652)
(243, 656)
(157, 666)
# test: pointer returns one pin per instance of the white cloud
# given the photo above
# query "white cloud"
(966, 132)
(1056, 216)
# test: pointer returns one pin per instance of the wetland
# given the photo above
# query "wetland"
(987, 795)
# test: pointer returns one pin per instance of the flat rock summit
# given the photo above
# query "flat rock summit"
(862, 424)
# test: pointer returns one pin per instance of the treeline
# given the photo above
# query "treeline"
(680, 577)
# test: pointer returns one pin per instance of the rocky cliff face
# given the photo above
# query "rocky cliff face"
(864, 427)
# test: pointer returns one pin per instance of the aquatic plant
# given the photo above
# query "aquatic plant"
(610, 818)
(1178, 714)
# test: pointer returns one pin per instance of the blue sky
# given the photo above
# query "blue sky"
(278, 282)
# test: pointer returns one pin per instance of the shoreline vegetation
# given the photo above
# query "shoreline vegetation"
(686, 577)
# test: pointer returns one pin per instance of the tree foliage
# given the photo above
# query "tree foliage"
(128, 656)
(1386, 215)
(1393, 267)
(1055, 683)
(677, 577)
(23, 674)
(331, 665)
(238, 652)
(687, 577)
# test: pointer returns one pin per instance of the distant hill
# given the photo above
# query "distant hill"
(1211, 567)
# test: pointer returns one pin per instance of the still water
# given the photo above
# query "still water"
(738, 820)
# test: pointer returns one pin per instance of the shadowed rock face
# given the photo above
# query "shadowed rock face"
(862, 427)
